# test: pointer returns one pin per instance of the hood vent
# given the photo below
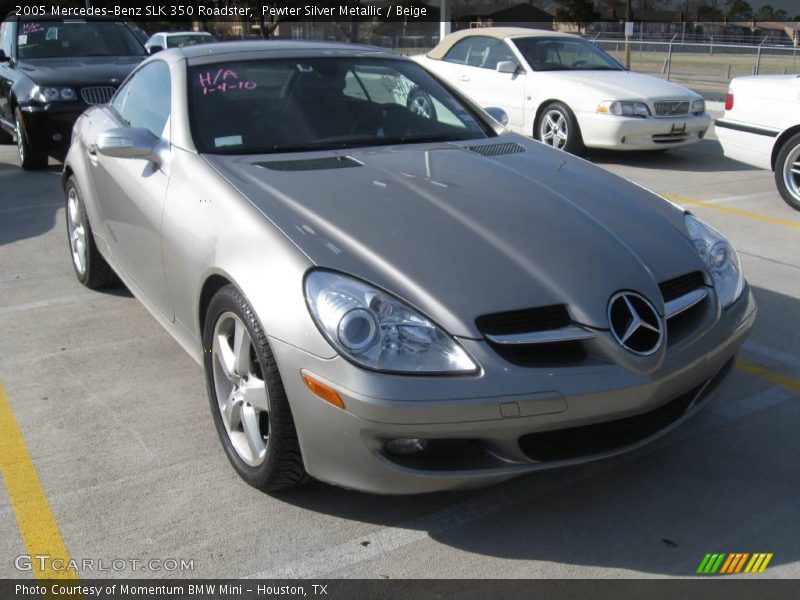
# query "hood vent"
(497, 149)
(310, 164)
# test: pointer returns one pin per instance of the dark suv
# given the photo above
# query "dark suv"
(51, 70)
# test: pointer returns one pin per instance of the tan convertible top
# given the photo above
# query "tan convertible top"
(501, 33)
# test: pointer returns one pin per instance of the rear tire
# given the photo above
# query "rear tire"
(90, 267)
(248, 401)
(787, 171)
(558, 128)
(31, 158)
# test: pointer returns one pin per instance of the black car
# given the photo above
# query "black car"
(51, 70)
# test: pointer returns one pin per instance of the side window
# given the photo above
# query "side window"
(498, 52)
(458, 53)
(144, 101)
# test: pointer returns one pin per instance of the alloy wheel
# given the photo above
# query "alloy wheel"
(241, 391)
(791, 172)
(20, 143)
(422, 106)
(76, 230)
(554, 129)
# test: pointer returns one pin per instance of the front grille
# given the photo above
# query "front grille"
(100, 94)
(528, 320)
(311, 164)
(678, 108)
(497, 149)
(684, 324)
(670, 138)
(680, 286)
(524, 321)
(565, 444)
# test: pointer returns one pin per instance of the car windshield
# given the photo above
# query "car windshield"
(565, 54)
(175, 41)
(291, 105)
(60, 39)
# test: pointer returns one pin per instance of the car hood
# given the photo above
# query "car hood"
(621, 85)
(78, 71)
(459, 235)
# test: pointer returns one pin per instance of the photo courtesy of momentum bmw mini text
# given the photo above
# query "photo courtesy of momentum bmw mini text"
(399, 299)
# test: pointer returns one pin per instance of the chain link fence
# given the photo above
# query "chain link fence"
(707, 65)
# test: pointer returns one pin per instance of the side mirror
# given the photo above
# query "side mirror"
(128, 142)
(498, 114)
(3, 57)
(155, 49)
(507, 66)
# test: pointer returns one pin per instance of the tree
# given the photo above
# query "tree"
(578, 12)
(739, 10)
(768, 13)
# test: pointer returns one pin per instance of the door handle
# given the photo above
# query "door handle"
(464, 78)
(92, 152)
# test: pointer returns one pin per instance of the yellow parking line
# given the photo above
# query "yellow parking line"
(790, 383)
(733, 211)
(37, 525)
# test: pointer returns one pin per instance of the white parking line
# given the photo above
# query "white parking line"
(495, 501)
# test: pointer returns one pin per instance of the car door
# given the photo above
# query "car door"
(131, 192)
(471, 66)
(488, 87)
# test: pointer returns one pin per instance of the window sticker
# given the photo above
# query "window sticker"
(23, 39)
(222, 80)
(32, 27)
(52, 34)
(228, 140)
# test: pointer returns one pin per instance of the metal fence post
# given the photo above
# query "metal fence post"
(669, 56)
(758, 58)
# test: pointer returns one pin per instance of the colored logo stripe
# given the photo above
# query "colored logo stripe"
(725, 563)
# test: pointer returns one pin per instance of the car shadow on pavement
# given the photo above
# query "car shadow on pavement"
(28, 201)
(705, 157)
(721, 482)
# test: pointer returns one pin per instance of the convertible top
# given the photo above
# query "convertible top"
(501, 33)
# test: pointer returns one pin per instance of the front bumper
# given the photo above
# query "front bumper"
(652, 133)
(49, 126)
(483, 428)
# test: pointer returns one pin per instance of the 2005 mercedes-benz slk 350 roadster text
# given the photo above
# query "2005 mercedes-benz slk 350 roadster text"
(387, 299)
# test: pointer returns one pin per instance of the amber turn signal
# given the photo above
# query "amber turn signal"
(323, 391)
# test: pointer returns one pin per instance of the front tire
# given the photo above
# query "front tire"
(787, 171)
(558, 128)
(90, 267)
(31, 157)
(248, 401)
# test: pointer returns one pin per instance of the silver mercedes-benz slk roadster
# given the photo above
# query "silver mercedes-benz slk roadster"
(392, 295)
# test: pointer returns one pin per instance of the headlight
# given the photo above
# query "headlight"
(698, 107)
(378, 331)
(624, 108)
(55, 94)
(720, 258)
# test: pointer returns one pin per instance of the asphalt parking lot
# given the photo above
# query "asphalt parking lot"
(116, 422)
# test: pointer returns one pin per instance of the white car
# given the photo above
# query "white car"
(761, 127)
(174, 39)
(564, 91)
